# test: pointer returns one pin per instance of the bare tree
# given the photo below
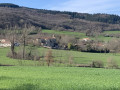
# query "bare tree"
(12, 37)
(114, 45)
(24, 38)
(49, 57)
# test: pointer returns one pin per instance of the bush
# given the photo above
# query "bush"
(111, 64)
(69, 46)
(97, 64)
(30, 53)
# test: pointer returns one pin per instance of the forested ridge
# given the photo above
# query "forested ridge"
(13, 15)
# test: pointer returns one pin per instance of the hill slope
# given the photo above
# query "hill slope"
(13, 15)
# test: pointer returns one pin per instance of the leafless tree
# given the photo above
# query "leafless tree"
(24, 38)
(11, 36)
(114, 45)
(49, 57)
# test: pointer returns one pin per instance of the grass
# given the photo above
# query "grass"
(82, 35)
(78, 57)
(31, 77)
(9, 61)
(102, 38)
(58, 78)
(83, 57)
(111, 32)
(76, 34)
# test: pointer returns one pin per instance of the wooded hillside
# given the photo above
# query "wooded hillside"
(13, 15)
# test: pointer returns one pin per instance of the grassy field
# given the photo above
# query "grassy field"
(9, 61)
(102, 38)
(111, 32)
(25, 75)
(58, 78)
(82, 35)
(63, 55)
(76, 34)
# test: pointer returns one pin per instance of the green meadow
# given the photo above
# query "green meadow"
(27, 75)
(63, 55)
(111, 32)
(58, 78)
(76, 34)
(82, 35)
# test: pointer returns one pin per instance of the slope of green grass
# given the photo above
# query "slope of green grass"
(58, 78)
(63, 55)
(9, 61)
(76, 34)
(82, 35)
(82, 57)
(102, 38)
(111, 32)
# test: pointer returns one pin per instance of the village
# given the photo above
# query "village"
(61, 42)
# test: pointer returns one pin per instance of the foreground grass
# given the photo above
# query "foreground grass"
(58, 78)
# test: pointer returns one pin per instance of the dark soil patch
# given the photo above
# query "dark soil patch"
(6, 65)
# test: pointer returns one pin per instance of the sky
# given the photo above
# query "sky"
(82, 6)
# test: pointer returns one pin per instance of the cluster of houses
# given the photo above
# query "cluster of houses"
(48, 42)
(51, 42)
(7, 43)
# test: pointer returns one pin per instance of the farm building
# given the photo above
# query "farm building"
(48, 42)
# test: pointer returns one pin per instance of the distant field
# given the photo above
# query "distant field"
(102, 38)
(81, 35)
(63, 55)
(83, 57)
(58, 78)
(77, 34)
(111, 32)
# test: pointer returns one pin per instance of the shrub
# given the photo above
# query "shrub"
(97, 64)
(111, 64)
(70, 61)
(29, 54)
(69, 46)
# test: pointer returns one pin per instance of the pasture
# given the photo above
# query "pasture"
(58, 78)
(111, 32)
(28, 75)
(82, 35)
(76, 34)
(61, 55)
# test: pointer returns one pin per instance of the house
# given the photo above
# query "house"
(5, 43)
(86, 39)
(48, 42)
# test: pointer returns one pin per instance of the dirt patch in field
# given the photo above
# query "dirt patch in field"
(83, 65)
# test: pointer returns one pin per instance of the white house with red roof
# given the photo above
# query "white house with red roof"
(5, 43)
